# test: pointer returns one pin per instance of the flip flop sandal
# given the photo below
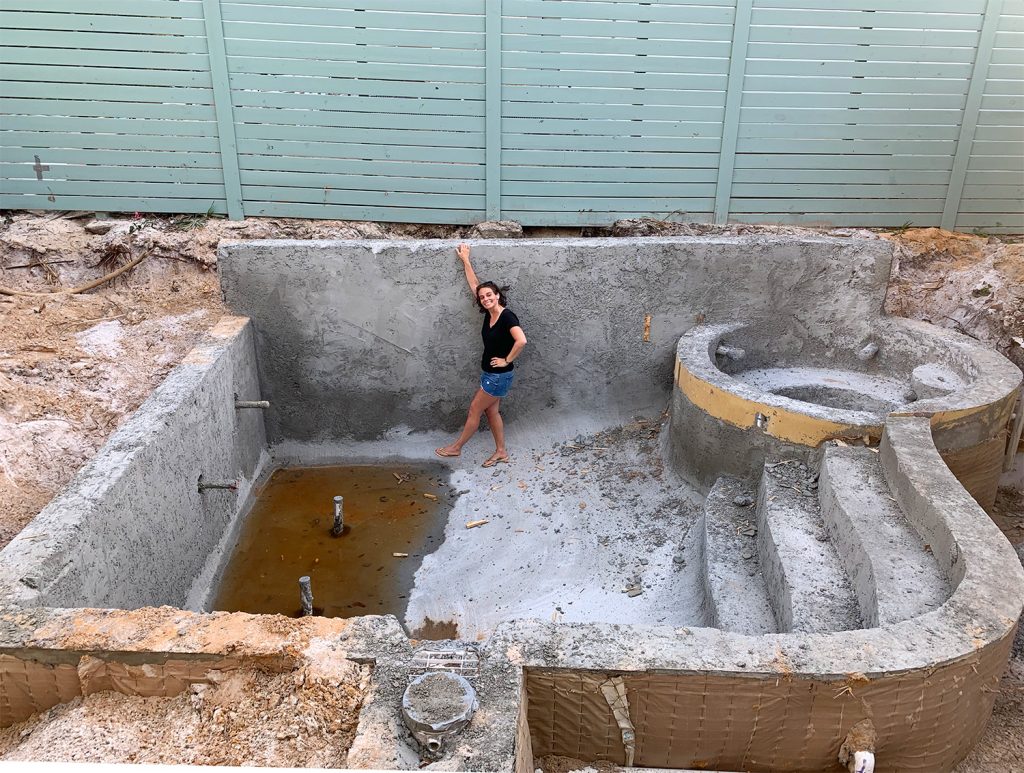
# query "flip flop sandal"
(496, 460)
(445, 454)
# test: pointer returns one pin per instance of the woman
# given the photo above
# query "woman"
(504, 339)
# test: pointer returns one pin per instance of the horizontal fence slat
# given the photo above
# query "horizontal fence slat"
(108, 41)
(901, 190)
(838, 206)
(827, 35)
(10, 140)
(196, 62)
(467, 140)
(849, 219)
(87, 76)
(187, 9)
(436, 6)
(96, 23)
(615, 158)
(845, 69)
(812, 83)
(881, 6)
(257, 208)
(673, 65)
(842, 146)
(69, 92)
(720, 35)
(352, 120)
(987, 177)
(793, 177)
(850, 131)
(255, 22)
(598, 174)
(361, 197)
(860, 19)
(128, 203)
(639, 98)
(101, 188)
(836, 162)
(851, 52)
(327, 180)
(62, 126)
(820, 115)
(366, 87)
(305, 149)
(584, 142)
(114, 158)
(604, 128)
(583, 189)
(611, 203)
(648, 12)
(80, 172)
(358, 166)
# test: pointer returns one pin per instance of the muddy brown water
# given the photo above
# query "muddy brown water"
(388, 509)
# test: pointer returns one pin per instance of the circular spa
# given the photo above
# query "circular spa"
(747, 391)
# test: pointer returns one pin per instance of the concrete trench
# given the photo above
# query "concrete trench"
(757, 573)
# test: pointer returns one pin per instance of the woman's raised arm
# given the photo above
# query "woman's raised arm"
(463, 252)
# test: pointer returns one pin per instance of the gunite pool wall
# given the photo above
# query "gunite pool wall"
(351, 340)
(133, 528)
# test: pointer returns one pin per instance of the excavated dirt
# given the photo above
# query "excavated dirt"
(74, 366)
(300, 718)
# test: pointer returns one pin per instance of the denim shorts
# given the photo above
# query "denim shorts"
(496, 384)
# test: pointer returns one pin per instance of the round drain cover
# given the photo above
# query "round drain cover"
(437, 705)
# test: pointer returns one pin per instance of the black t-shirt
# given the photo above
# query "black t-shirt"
(498, 340)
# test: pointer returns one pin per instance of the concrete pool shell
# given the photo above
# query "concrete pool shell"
(363, 349)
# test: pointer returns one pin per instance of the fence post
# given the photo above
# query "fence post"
(733, 98)
(972, 106)
(492, 107)
(223, 109)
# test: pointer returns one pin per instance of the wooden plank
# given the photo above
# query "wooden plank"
(1005, 149)
(341, 196)
(797, 99)
(314, 184)
(654, 204)
(189, 116)
(811, 83)
(354, 120)
(306, 149)
(856, 69)
(617, 63)
(452, 48)
(96, 170)
(995, 206)
(832, 162)
(380, 70)
(851, 52)
(992, 224)
(885, 219)
(95, 23)
(961, 158)
(850, 131)
(576, 78)
(246, 21)
(186, 9)
(67, 125)
(624, 12)
(268, 104)
(597, 127)
(639, 98)
(358, 212)
(626, 45)
(1007, 133)
(85, 141)
(884, 176)
(111, 203)
(394, 137)
(878, 117)
(411, 6)
(881, 6)
(198, 62)
(577, 143)
(36, 73)
(978, 179)
(601, 218)
(493, 122)
(733, 100)
(825, 35)
(114, 158)
(604, 189)
(839, 190)
(611, 159)
(108, 41)
(332, 54)
(841, 206)
(365, 87)
(588, 28)
(182, 190)
(998, 163)
(1013, 191)
(897, 19)
(358, 166)
(870, 147)
(192, 97)
(613, 174)
(611, 112)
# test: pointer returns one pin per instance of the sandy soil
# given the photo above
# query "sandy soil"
(74, 366)
(300, 718)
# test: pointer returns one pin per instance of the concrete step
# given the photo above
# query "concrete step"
(807, 582)
(734, 586)
(894, 576)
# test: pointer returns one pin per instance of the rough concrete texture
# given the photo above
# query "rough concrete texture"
(734, 586)
(355, 338)
(807, 584)
(586, 524)
(894, 573)
(133, 529)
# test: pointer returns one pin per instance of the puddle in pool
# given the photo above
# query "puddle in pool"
(287, 534)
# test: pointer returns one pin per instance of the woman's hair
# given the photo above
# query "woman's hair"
(499, 291)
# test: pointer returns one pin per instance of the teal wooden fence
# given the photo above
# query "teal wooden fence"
(550, 112)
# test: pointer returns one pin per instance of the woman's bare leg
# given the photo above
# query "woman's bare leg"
(479, 405)
(497, 429)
